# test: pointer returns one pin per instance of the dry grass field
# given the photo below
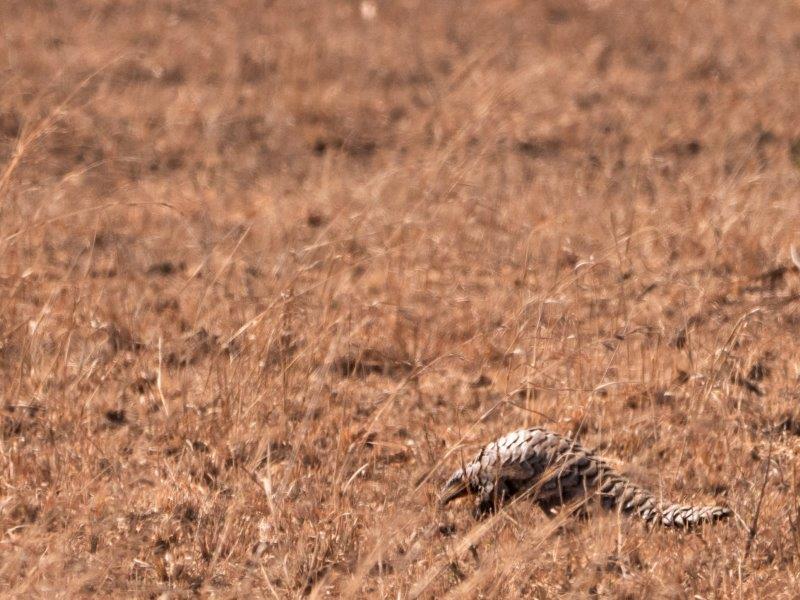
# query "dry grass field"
(270, 270)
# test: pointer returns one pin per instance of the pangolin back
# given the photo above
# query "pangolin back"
(554, 470)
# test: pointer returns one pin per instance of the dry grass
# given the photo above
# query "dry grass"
(270, 270)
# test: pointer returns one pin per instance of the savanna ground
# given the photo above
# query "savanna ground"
(270, 270)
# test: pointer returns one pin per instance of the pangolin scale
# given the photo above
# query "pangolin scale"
(555, 470)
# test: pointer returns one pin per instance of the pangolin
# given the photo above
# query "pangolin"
(555, 470)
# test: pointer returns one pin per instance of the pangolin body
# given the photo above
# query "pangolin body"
(555, 470)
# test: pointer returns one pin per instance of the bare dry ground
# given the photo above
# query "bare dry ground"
(270, 269)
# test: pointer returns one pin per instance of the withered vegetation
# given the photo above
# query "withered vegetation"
(270, 270)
